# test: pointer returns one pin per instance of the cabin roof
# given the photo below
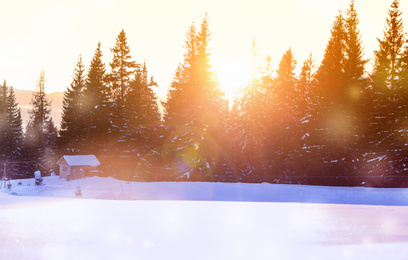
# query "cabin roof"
(80, 160)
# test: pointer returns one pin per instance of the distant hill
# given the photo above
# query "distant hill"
(23, 98)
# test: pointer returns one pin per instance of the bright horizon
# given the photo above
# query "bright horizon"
(51, 35)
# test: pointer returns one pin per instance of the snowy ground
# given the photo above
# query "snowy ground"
(116, 220)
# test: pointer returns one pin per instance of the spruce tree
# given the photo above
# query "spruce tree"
(388, 106)
(120, 77)
(141, 104)
(137, 148)
(178, 99)
(330, 74)
(354, 65)
(387, 60)
(11, 128)
(330, 82)
(249, 125)
(37, 127)
(307, 107)
(283, 136)
(340, 81)
(73, 126)
(96, 107)
(11, 134)
(194, 107)
(13, 142)
(250, 117)
(3, 110)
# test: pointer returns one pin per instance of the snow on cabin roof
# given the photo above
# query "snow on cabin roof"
(80, 160)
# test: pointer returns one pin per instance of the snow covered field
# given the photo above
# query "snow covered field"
(118, 220)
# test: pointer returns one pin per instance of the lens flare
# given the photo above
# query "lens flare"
(190, 151)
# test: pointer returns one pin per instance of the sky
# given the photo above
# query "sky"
(51, 34)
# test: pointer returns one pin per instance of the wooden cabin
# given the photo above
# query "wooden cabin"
(76, 166)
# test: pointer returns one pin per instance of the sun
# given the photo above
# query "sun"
(233, 77)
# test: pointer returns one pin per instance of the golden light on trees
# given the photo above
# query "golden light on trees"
(233, 77)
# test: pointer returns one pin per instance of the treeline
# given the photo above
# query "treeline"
(23, 152)
(333, 124)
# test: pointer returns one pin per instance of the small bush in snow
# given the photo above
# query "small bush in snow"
(19, 183)
(9, 185)
(78, 191)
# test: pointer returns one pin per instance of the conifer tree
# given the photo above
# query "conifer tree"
(38, 126)
(340, 81)
(141, 104)
(212, 102)
(73, 126)
(194, 106)
(250, 123)
(307, 117)
(387, 60)
(120, 77)
(404, 68)
(50, 156)
(13, 141)
(283, 138)
(306, 74)
(388, 107)
(96, 104)
(138, 148)
(356, 84)
(178, 99)
(354, 65)
(11, 134)
(3, 110)
(330, 74)
(249, 130)
(11, 127)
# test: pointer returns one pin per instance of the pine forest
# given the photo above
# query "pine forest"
(333, 123)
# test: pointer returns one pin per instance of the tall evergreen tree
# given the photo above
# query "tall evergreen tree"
(194, 89)
(354, 65)
(340, 81)
(307, 107)
(356, 83)
(250, 123)
(96, 105)
(388, 107)
(330, 74)
(13, 141)
(284, 135)
(387, 60)
(73, 126)
(138, 148)
(250, 117)
(11, 134)
(120, 77)
(142, 108)
(38, 126)
(11, 127)
(3, 110)
(178, 99)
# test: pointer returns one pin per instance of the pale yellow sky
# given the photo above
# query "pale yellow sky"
(50, 35)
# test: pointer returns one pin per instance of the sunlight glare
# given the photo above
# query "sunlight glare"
(233, 77)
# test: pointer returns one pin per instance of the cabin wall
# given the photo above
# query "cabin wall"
(65, 170)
